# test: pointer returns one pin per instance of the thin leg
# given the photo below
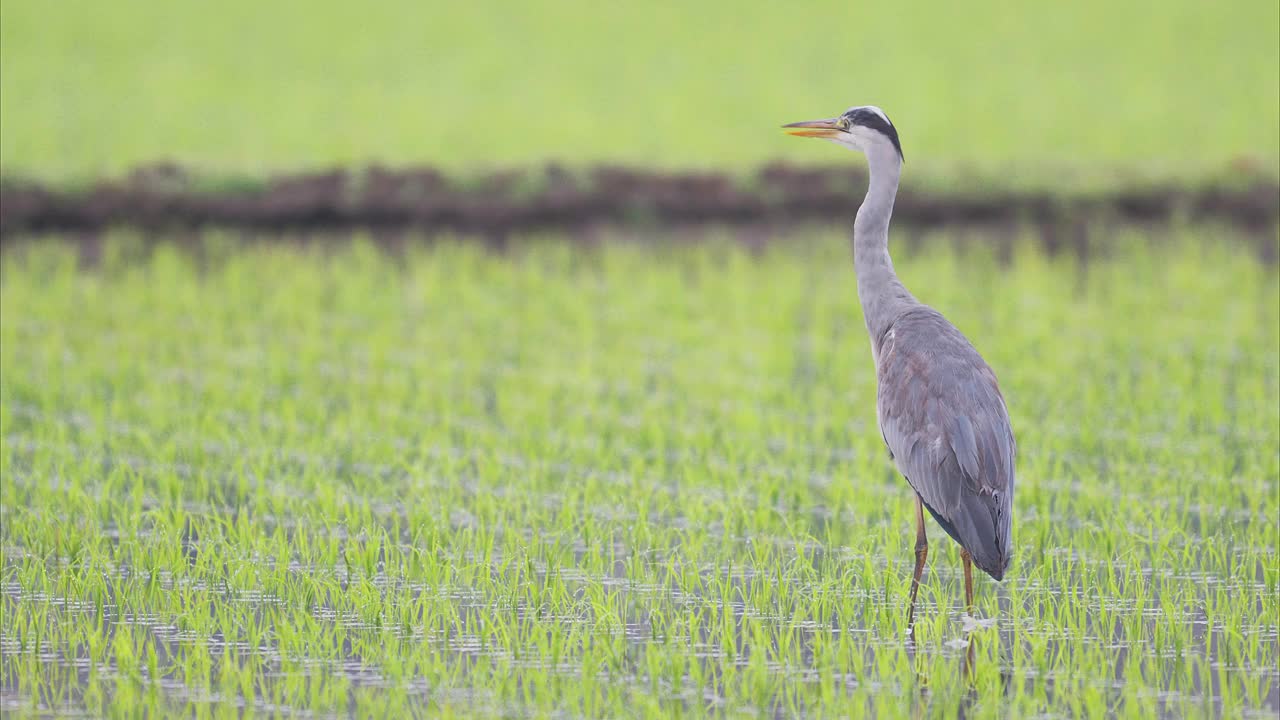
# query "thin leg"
(970, 669)
(922, 552)
(968, 580)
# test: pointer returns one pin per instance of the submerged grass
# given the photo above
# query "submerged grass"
(622, 481)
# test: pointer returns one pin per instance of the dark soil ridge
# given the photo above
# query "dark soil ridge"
(167, 198)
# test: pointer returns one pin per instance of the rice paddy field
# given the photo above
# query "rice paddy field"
(625, 480)
(631, 469)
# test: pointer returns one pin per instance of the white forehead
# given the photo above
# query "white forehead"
(871, 108)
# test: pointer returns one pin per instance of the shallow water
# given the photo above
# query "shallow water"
(522, 486)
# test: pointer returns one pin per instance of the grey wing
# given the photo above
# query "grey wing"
(945, 422)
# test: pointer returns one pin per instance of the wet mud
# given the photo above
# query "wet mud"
(167, 198)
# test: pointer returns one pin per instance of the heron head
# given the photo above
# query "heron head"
(861, 128)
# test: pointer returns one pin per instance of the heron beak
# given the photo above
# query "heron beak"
(814, 128)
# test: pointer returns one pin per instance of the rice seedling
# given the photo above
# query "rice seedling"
(623, 480)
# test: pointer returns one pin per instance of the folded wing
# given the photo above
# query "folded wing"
(945, 422)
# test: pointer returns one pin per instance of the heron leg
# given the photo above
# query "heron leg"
(922, 552)
(968, 580)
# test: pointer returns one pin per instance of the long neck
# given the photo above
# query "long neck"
(882, 295)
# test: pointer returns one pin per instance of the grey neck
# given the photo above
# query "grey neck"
(882, 295)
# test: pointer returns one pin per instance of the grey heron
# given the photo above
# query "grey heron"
(939, 407)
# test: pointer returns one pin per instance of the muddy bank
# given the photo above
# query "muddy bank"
(167, 198)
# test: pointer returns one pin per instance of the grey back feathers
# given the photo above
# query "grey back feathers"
(944, 420)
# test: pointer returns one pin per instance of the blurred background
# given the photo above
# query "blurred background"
(1179, 88)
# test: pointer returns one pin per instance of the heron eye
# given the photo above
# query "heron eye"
(844, 123)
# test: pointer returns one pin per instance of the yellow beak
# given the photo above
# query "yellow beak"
(814, 128)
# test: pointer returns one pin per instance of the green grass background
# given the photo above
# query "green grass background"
(1176, 88)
